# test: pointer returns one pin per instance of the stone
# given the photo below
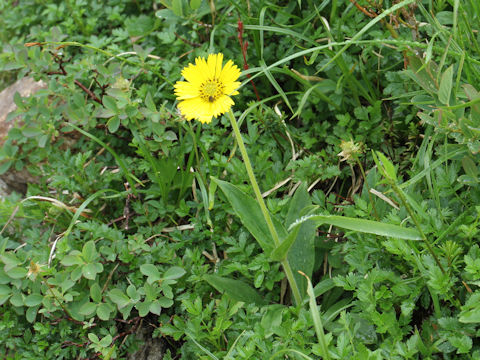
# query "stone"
(15, 180)
(150, 348)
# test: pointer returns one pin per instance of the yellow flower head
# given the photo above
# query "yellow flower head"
(207, 89)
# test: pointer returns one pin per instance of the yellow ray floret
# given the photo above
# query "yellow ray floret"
(207, 89)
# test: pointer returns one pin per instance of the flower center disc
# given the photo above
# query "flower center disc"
(211, 90)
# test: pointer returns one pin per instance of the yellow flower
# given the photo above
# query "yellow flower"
(207, 89)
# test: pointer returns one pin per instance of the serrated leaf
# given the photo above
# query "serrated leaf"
(139, 26)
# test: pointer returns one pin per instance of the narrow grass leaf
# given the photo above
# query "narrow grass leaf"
(362, 225)
(205, 350)
(236, 289)
(82, 207)
(275, 84)
(317, 321)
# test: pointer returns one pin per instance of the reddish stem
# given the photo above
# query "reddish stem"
(244, 46)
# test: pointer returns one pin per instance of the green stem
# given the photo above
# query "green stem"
(400, 194)
(263, 207)
(366, 185)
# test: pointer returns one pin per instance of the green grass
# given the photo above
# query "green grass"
(249, 237)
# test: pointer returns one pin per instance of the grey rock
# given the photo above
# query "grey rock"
(15, 180)
(150, 348)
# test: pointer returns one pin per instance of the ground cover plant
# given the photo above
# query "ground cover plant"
(321, 204)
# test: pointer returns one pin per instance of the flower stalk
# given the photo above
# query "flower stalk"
(251, 176)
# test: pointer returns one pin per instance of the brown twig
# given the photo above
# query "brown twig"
(243, 47)
(188, 42)
(363, 10)
(60, 61)
(88, 91)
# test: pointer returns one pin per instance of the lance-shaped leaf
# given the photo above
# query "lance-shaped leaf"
(361, 225)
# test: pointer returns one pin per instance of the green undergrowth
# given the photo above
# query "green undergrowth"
(361, 121)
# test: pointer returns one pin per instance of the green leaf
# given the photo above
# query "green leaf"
(96, 293)
(31, 314)
(280, 253)
(106, 341)
(301, 255)
(89, 252)
(110, 103)
(445, 86)
(5, 165)
(463, 343)
(17, 272)
(104, 113)
(156, 307)
(236, 289)
(149, 103)
(113, 124)
(17, 299)
(471, 310)
(119, 298)
(143, 308)
(151, 271)
(317, 321)
(93, 338)
(5, 293)
(174, 272)
(249, 212)
(361, 225)
(195, 4)
(164, 302)
(177, 7)
(88, 308)
(90, 271)
(69, 260)
(384, 165)
(33, 300)
(139, 26)
(103, 311)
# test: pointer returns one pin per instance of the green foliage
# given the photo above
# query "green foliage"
(138, 217)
